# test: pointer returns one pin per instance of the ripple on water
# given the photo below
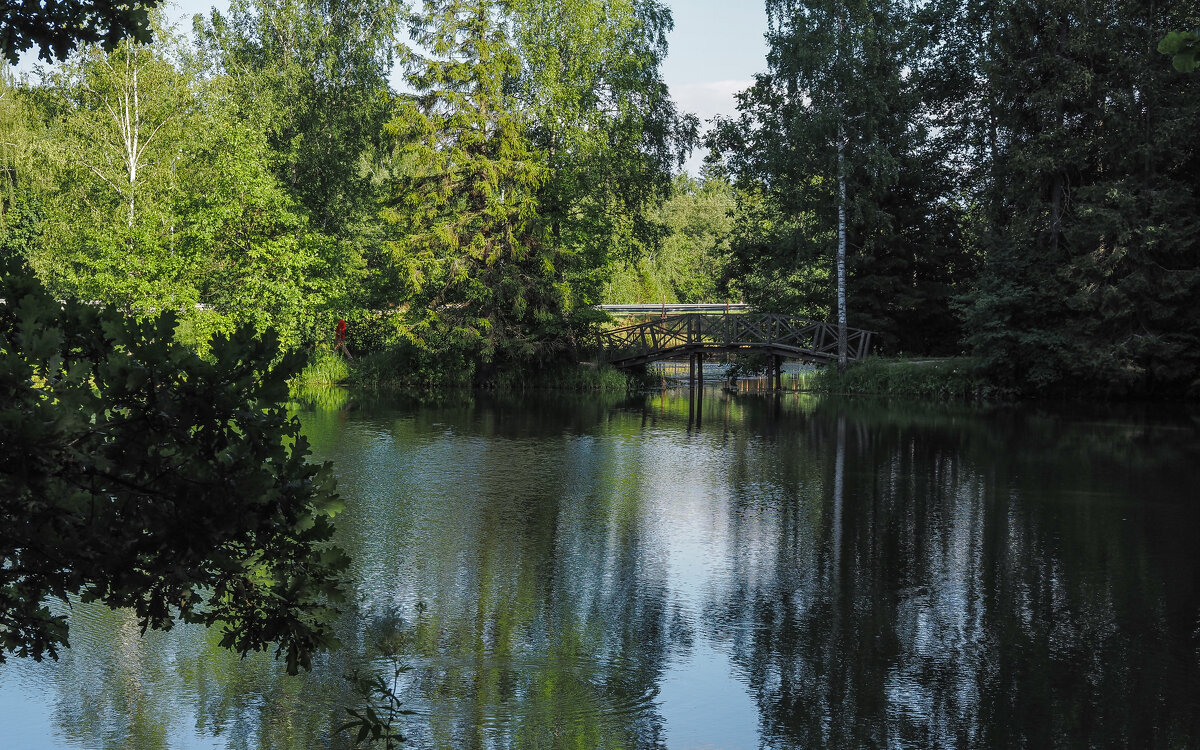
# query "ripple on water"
(510, 693)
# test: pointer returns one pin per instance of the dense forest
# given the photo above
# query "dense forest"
(1013, 181)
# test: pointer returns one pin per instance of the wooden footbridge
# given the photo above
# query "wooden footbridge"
(696, 334)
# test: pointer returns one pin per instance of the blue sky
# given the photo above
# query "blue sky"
(715, 50)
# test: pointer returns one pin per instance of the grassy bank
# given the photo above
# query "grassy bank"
(577, 377)
(391, 372)
(324, 368)
(953, 379)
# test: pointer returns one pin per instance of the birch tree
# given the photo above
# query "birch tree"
(601, 113)
(847, 211)
(164, 199)
(118, 122)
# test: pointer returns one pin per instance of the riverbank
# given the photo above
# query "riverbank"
(948, 379)
(387, 372)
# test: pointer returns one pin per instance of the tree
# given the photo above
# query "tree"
(472, 267)
(1089, 220)
(59, 27)
(838, 165)
(598, 109)
(687, 265)
(164, 200)
(312, 75)
(139, 475)
(136, 473)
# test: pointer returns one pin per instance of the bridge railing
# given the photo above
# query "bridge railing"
(678, 334)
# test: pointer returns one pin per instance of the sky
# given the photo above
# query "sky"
(715, 50)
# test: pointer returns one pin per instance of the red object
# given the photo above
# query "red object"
(341, 331)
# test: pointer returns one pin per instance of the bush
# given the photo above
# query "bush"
(138, 474)
(405, 367)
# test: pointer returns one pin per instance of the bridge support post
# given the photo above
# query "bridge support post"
(778, 362)
(700, 370)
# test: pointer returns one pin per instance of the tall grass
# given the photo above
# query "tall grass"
(954, 379)
(318, 384)
(325, 367)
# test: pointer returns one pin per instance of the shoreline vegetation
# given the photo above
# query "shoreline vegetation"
(955, 379)
(386, 372)
(461, 232)
(950, 379)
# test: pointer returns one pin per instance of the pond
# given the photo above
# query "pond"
(751, 572)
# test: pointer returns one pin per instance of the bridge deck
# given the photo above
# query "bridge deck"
(673, 308)
(682, 335)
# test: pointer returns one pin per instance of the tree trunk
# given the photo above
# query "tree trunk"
(841, 176)
(841, 250)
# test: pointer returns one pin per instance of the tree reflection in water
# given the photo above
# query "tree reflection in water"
(976, 583)
(874, 575)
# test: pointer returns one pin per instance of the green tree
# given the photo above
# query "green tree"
(687, 264)
(834, 149)
(115, 124)
(16, 142)
(312, 75)
(471, 265)
(141, 476)
(164, 200)
(1089, 218)
(599, 111)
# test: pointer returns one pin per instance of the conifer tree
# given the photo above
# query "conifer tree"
(470, 262)
(1089, 221)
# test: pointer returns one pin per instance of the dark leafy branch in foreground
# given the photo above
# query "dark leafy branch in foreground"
(140, 475)
(59, 27)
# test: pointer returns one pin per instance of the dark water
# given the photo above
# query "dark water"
(791, 573)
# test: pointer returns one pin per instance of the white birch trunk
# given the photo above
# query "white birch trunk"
(841, 250)
(841, 176)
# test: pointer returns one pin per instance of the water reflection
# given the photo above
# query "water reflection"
(658, 572)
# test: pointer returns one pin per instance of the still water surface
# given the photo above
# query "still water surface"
(788, 573)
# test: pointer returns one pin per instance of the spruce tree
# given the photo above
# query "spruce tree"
(470, 263)
(1089, 220)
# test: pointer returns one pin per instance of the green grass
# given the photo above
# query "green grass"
(395, 371)
(320, 397)
(324, 368)
(953, 379)
(318, 384)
